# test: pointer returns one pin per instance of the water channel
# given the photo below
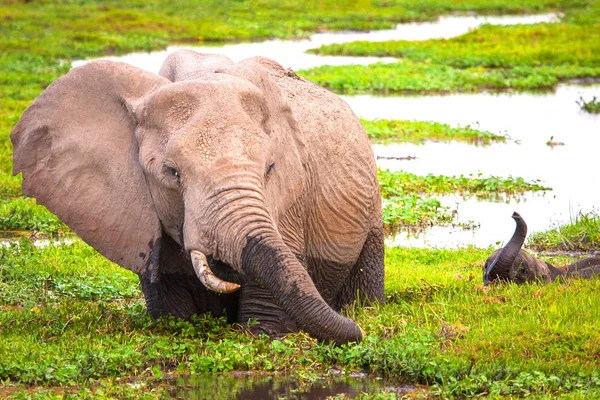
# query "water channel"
(530, 120)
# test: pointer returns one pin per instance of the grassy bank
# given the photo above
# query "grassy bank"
(69, 318)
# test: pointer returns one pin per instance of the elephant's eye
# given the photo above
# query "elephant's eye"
(269, 169)
(172, 171)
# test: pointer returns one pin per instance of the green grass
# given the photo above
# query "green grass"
(71, 318)
(415, 77)
(420, 131)
(581, 234)
(23, 214)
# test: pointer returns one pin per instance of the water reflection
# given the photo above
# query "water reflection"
(261, 387)
(291, 53)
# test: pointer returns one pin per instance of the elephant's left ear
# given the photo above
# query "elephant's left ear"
(76, 148)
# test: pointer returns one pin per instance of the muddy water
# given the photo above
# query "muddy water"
(257, 387)
(291, 53)
(571, 170)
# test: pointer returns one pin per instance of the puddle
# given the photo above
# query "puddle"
(260, 387)
(530, 120)
(291, 53)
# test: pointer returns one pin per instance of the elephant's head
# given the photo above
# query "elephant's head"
(130, 160)
(512, 263)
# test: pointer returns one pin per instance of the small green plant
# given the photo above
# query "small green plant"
(552, 143)
(592, 106)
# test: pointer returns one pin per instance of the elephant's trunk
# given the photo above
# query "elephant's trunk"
(270, 263)
(502, 264)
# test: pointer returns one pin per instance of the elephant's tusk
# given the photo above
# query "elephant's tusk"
(207, 277)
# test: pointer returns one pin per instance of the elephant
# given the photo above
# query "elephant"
(236, 189)
(514, 264)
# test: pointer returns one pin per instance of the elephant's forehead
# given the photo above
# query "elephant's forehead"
(210, 137)
(181, 100)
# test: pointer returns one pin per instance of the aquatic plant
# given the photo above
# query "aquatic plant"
(592, 106)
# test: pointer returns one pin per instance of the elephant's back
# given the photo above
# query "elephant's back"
(328, 125)
(320, 113)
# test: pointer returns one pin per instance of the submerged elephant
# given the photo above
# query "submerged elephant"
(512, 263)
(214, 176)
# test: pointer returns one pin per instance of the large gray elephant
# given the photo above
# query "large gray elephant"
(213, 177)
(512, 263)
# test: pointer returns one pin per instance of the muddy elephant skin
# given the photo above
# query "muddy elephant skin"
(238, 189)
(512, 263)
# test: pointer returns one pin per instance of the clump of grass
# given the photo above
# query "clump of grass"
(421, 131)
(592, 106)
(408, 201)
(552, 143)
(414, 212)
(400, 182)
(581, 234)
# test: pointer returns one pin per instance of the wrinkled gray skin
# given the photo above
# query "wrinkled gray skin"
(269, 175)
(514, 264)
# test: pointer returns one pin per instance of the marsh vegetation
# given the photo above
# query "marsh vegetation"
(74, 324)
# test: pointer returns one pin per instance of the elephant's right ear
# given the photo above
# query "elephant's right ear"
(76, 148)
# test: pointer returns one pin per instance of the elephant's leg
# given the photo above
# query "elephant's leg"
(257, 303)
(182, 295)
(365, 282)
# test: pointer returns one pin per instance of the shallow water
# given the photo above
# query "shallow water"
(291, 53)
(530, 119)
(264, 387)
